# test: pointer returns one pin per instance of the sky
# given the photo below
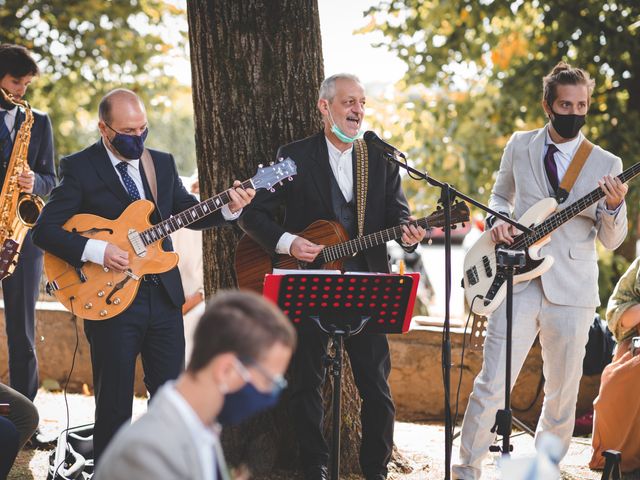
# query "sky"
(343, 51)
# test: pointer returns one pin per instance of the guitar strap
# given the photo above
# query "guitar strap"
(362, 181)
(575, 167)
(150, 170)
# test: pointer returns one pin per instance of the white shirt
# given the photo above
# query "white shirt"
(342, 167)
(10, 120)
(205, 437)
(565, 153)
(94, 249)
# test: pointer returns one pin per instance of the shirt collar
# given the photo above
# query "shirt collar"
(10, 113)
(335, 151)
(202, 433)
(115, 160)
(567, 148)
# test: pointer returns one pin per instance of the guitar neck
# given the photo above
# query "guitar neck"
(187, 217)
(558, 219)
(356, 245)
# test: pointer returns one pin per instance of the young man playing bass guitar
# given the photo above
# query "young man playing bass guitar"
(560, 304)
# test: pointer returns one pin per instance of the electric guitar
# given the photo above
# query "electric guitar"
(252, 262)
(485, 283)
(94, 292)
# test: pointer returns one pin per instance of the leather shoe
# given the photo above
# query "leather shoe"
(316, 472)
(376, 477)
(41, 441)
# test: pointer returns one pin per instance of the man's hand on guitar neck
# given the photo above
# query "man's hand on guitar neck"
(502, 232)
(614, 191)
(304, 250)
(115, 258)
(240, 197)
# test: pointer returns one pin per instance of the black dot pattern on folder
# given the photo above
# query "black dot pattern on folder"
(382, 297)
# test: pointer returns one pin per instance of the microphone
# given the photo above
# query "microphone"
(370, 136)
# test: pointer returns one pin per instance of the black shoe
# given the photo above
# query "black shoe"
(42, 441)
(316, 472)
(376, 477)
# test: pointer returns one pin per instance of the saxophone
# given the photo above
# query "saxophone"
(18, 210)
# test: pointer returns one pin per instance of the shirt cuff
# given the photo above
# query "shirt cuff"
(94, 251)
(283, 246)
(227, 215)
(613, 212)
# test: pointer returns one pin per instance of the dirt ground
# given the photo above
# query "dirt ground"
(422, 444)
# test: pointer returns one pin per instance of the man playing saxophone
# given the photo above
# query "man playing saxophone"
(20, 290)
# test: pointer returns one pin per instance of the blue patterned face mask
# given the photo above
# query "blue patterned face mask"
(343, 137)
(129, 146)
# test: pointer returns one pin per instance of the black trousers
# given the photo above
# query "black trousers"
(152, 327)
(20, 292)
(371, 364)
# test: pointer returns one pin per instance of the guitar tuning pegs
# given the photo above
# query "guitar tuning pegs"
(280, 182)
(271, 163)
(260, 165)
(272, 189)
(291, 179)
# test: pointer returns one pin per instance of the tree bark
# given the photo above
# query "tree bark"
(257, 66)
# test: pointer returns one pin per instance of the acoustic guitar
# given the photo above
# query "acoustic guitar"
(485, 282)
(94, 292)
(252, 262)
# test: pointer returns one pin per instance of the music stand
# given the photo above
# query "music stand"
(343, 305)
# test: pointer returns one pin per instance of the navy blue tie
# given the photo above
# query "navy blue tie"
(132, 190)
(134, 194)
(6, 145)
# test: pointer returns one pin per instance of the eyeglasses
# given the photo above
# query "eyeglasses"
(277, 382)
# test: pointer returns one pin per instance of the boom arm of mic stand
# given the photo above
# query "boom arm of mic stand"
(454, 192)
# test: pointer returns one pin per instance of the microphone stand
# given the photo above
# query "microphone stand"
(448, 194)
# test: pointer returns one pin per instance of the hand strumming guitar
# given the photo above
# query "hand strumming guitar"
(305, 250)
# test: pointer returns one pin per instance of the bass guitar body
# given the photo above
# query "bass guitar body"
(484, 282)
(94, 292)
(252, 262)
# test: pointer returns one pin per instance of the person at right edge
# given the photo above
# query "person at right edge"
(329, 164)
(560, 304)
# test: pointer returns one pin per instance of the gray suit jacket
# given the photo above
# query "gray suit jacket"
(522, 181)
(157, 446)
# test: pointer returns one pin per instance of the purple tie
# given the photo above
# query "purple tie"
(550, 166)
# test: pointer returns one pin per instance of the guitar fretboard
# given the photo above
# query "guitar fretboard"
(563, 216)
(187, 217)
(353, 246)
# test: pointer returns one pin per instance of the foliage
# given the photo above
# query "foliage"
(496, 52)
(85, 48)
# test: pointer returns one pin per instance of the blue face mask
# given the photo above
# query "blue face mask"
(129, 146)
(343, 137)
(246, 402)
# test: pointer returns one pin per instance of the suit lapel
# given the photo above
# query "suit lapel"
(322, 171)
(535, 158)
(107, 173)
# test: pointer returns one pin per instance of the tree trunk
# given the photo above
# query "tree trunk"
(257, 68)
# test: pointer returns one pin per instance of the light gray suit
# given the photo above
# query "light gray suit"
(157, 446)
(559, 305)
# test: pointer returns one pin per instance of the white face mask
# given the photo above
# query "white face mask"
(343, 137)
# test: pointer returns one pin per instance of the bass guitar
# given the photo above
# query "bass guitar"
(94, 292)
(485, 283)
(252, 262)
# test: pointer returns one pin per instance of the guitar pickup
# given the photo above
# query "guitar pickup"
(495, 286)
(487, 266)
(472, 275)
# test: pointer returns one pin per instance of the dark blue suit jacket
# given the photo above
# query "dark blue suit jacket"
(90, 184)
(40, 155)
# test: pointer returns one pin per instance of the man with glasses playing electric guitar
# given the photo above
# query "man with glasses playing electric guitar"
(560, 304)
(104, 180)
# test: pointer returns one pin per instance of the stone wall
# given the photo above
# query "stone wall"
(416, 377)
